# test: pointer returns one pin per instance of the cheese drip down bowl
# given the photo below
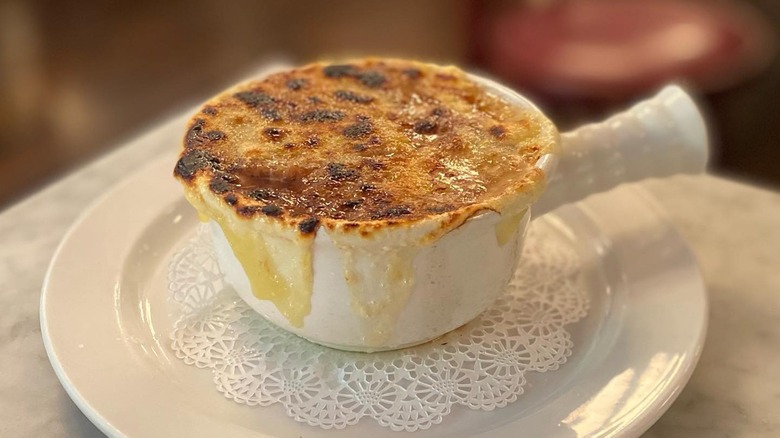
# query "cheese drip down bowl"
(381, 203)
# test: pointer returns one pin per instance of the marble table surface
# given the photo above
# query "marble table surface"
(733, 228)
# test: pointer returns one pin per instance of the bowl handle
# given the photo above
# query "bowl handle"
(658, 137)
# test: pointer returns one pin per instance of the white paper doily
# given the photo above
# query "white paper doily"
(481, 365)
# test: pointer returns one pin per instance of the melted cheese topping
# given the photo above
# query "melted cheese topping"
(380, 281)
(389, 155)
(374, 140)
(277, 261)
(507, 226)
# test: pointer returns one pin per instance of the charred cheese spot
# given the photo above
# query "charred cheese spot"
(321, 115)
(254, 98)
(339, 70)
(308, 225)
(271, 210)
(352, 97)
(220, 185)
(191, 162)
(340, 172)
(352, 204)
(273, 134)
(262, 194)
(372, 79)
(231, 199)
(360, 129)
(247, 210)
(295, 84)
(390, 212)
(425, 127)
(498, 131)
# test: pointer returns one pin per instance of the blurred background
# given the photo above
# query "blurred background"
(78, 78)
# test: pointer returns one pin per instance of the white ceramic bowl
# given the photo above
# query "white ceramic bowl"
(459, 275)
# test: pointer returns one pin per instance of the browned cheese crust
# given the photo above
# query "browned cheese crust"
(374, 140)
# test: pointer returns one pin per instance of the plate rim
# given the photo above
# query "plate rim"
(654, 415)
(644, 422)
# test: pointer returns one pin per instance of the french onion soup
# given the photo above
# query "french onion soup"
(384, 156)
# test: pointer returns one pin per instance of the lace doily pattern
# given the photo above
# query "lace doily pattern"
(481, 365)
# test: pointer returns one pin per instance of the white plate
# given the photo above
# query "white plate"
(105, 326)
